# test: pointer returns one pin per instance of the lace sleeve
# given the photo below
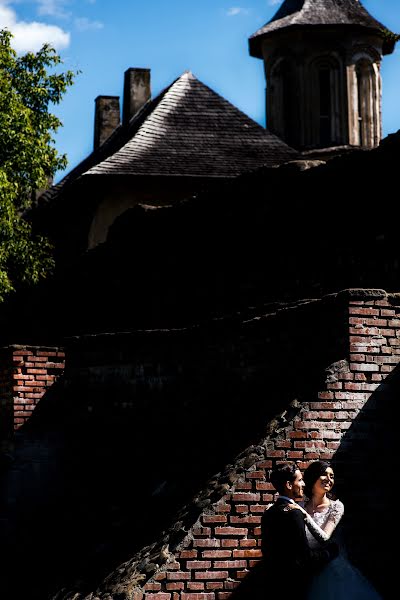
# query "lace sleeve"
(323, 534)
(336, 512)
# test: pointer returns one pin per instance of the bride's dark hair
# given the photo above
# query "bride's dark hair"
(313, 473)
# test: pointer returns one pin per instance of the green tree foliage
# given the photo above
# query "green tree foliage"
(29, 85)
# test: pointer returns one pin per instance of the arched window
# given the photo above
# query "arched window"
(325, 99)
(288, 102)
(325, 106)
(281, 104)
(366, 94)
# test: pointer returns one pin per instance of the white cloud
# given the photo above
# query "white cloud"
(236, 10)
(52, 8)
(84, 24)
(31, 36)
(274, 2)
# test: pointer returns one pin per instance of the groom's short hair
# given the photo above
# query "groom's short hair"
(281, 474)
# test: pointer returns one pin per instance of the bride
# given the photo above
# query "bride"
(339, 579)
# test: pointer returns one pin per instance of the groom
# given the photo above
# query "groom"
(289, 561)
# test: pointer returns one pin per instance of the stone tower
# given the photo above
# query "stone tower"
(322, 67)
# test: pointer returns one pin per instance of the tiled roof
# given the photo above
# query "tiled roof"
(315, 12)
(192, 131)
(117, 139)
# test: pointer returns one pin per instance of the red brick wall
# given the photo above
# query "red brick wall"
(327, 366)
(26, 372)
(223, 546)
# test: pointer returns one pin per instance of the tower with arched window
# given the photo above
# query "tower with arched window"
(322, 66)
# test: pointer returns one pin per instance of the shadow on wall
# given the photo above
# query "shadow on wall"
(267, 236)
(366, 464)
(366, 469)
(129, 436)
(255, 585)
(138, 425)
(83, 498)
(78, 502)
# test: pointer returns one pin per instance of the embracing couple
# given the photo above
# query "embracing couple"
(301, 557)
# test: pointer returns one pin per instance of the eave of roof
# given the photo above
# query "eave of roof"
(119, 137)
(320, 13)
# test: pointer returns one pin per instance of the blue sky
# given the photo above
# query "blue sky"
(103, 38)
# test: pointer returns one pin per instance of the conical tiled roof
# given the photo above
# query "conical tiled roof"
(317, 12)
(192, 131)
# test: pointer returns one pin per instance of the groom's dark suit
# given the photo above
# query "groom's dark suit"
(289, 560)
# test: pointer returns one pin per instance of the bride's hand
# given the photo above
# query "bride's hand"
(294, 506)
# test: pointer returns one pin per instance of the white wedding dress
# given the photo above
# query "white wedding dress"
(339, 579)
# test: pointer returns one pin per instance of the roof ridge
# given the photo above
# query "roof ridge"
(80, 169)
(188, 130)
(228, 102)
(188, 123)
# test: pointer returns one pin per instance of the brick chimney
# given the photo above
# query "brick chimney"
(106, 119)
(136, 92)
